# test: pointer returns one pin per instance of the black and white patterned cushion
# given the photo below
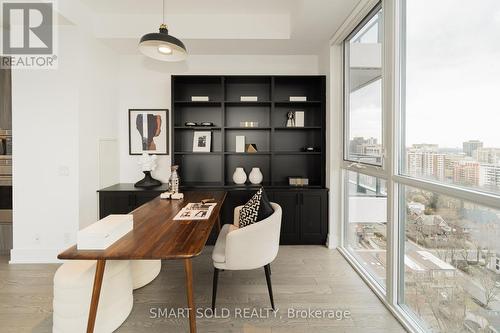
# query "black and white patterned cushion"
(256, 209)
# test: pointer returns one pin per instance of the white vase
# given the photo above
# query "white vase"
(239, 176)
(255, 176)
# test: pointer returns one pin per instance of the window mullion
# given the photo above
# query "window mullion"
(481, 198)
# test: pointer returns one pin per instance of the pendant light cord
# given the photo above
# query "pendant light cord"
(163, 12)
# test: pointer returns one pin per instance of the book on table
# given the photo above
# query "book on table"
(195, 211)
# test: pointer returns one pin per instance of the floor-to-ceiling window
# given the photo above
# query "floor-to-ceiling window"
(365, 195)
(421, 160)
(450, 136)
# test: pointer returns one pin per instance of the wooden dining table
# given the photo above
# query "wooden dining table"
(156, 235)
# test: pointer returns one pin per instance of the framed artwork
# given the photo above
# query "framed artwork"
(202, 141)
(148, 131)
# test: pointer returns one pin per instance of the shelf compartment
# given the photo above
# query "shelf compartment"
(297, 103)
(187, 86)
(248, 128)
(259, 86)
(246, 186)
(258, 103)
(297, 153)
(197, 128)
(239, 113)
(297, 128)
(302, 165)
(259, 137)
(247, 162)
(196, 153)
(197, 114)
(310, 86)
(245, 153)
(286, 185)
(193, 103)
(183, 141)
(199, 168)
(296, 140)
(201, 184)
(312, 115)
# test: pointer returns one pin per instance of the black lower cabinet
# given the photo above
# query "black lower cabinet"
(290, 220)
(124, 198)
(115, 203)
(313, 216)
(304, 216)
(304, 220)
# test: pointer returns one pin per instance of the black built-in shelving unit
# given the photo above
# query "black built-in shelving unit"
(305, 209)
(280, 148)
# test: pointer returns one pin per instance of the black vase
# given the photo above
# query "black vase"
(147, 181)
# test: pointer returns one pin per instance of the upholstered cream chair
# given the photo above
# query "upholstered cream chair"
(251, 247)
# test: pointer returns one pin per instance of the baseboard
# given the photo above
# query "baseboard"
(34, 256)
(331, 241)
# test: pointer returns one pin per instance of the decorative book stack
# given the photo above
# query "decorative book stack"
(199, 98)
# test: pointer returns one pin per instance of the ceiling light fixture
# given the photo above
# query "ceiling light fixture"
(162, 46)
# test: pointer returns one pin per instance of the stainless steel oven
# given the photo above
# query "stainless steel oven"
(5, 142)
(5, 176)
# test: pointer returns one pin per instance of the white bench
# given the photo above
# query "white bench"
(73, 284)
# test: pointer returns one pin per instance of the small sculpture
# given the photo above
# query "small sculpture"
(148, 164)
(173, 185)
(174, 181)
(290, 122)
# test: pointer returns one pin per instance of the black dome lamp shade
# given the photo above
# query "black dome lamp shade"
(162, 46)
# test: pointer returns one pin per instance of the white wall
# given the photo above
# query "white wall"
(332, 149)
(57, 117)
(98, 102)
(145, 83)
(45, 156)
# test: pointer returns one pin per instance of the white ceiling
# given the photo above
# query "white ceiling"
(217, 26)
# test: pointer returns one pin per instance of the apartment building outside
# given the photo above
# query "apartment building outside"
(466, 172)
(470, 146)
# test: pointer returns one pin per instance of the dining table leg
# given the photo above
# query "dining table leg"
(188, 266)
(96, 291)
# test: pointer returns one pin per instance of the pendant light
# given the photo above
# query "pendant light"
(162, 46)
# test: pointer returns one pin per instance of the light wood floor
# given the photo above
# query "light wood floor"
(303, 277)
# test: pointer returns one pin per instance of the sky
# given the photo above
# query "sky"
(452, 76)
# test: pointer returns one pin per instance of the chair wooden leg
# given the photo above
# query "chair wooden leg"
(214, 287)
(267, 270)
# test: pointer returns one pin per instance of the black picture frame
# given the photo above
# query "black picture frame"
(134, 142)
